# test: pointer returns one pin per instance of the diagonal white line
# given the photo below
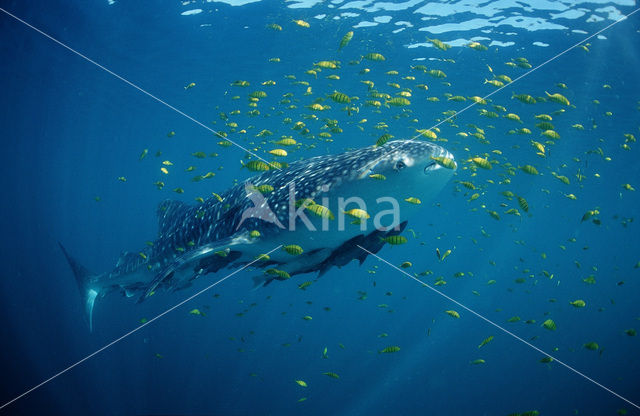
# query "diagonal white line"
(135, 330)
(529, 72)
(126, 81)
(501, 328)
(258, 157)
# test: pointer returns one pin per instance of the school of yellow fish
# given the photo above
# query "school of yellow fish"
(505, 158)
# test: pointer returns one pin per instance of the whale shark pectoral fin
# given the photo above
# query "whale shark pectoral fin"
(375, 241)
(261, 281)
(352, 249)
(192, 256)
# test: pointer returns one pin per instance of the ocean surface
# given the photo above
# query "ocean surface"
(526, 245)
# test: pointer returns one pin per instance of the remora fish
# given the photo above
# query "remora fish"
(197, 240)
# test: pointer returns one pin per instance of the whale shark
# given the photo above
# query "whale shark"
(319, 213)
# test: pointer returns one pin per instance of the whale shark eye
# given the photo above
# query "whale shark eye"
(400, 165)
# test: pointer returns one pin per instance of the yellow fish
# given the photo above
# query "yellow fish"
(301, 23)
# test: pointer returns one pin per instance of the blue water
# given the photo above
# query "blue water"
(69, 130)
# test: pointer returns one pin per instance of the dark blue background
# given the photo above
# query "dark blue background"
(69, 130)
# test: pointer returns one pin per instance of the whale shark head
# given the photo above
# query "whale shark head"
(410, 169)
(396, 179)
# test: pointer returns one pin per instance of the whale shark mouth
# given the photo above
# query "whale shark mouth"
(430, 167)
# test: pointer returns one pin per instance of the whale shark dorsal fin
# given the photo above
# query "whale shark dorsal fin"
(126, 257)
(169, 212)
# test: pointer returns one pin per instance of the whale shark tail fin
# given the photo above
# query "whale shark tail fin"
(84, 279)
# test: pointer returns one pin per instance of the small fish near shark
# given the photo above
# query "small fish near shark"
(317, 210)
